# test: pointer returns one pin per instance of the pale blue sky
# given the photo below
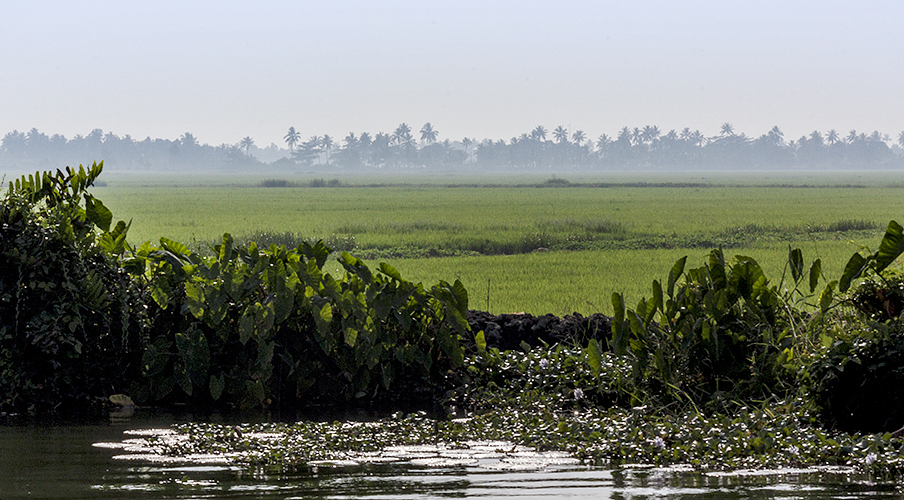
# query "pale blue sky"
(486, 69)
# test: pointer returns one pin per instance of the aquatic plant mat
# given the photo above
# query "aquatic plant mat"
(778, 439)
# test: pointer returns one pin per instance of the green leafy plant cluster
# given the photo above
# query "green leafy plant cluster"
(720, 333)
(69, 316)
(85, 315)
(723, 332)
(256, 327)
(858, 379)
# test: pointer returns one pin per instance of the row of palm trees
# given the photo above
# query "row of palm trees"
(639, 147)
(645, 147)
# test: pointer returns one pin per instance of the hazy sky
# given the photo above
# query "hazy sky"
(224, 69)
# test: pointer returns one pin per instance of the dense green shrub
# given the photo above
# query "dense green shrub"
(83, 315)
(723, 332)
(258, 327)
(716, 333)
(858, 382)
(69, 317)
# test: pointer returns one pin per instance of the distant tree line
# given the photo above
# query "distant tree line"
(37, 150)
(630, 148)
(645, 148)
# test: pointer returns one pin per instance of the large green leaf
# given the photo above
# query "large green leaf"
(283, 298)
(351, 336)
(852, 270)
(825, 298)
(674, 274)
(180, 376)
(717, 268)
(481, 342)
(175, 247)
(891, 247)
(97, 213)
(324, 317)
(594, 356)
(655, 303)
(815, 273)
(619, 331)
(796, 263)
(160, 294)
(216, 386)
(194, 299)
(246, 326)
(390, 271)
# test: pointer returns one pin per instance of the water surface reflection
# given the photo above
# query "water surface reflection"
(57, 460)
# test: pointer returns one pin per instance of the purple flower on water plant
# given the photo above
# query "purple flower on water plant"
(794, 450)
(544, 364)
(578, 393)
(870, 459)
(658, 442)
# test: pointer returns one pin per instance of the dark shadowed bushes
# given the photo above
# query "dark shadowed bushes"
(256, 327)
(70, 318)
(83, 315)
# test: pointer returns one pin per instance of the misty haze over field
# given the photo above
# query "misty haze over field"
(459, 86)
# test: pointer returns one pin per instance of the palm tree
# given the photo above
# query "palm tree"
(579, 137)
(901, 138)
(402, 135)
(832, 137)
(428, 133)
(852, 136)
(697, 138)
(560, 134)
(602, 142)
(188, 140)
(247, 143)
(649, 133)
(327, 143)
(292, 138)
(466, 142)
(636, 136)
(816, 137)
(727, 129)
(776, 136)
(539, 133)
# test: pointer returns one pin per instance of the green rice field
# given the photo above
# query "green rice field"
(600, 239)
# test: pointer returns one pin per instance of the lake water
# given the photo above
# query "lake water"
(59, 461)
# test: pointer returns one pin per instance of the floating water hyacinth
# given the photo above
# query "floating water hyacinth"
(870, 459)
(578, 393)
(544, 363)
(658, 442)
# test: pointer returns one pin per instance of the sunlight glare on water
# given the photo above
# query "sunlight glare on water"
(78, 461)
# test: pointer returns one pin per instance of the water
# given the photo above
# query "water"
(58, 461)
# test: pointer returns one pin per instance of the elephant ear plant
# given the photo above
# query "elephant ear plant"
(722, 332)
(84, 315)
(858, 381)
(258, 327)
(716, 333)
